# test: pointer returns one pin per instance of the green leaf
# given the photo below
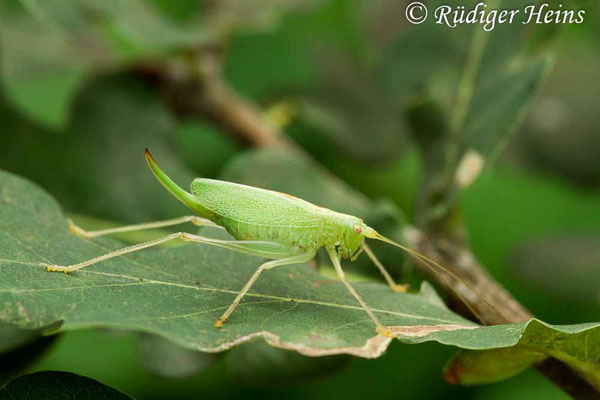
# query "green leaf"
(177, 293)
(478, 367)
(576, 345)
(498, 105)
(58, 385)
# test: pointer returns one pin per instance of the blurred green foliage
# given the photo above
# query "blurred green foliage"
(372, 97)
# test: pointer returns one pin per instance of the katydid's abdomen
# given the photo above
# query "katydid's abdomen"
(250, 213)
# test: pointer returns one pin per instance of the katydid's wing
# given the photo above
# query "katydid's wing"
(255, 206)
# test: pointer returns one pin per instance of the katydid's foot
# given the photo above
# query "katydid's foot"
(385, 332)
(219, 323)
(55, 268)
(400, 288)
(77, 230)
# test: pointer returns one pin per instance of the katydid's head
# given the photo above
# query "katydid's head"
(355, 231)
(359, 231)
(371, 233)
(353, 236)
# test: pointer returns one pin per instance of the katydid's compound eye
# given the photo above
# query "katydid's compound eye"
(357, 229)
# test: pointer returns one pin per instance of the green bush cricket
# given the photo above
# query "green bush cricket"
(277, 226)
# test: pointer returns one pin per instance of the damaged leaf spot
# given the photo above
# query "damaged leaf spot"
(424, 330)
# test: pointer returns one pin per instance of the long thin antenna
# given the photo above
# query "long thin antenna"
(431, 264)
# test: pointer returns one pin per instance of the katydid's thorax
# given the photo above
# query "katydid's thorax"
(341, 232)
(250, 213)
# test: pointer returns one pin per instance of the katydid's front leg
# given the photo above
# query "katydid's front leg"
(296, 259)
(338, 268)
(388, 278)
(257, 248)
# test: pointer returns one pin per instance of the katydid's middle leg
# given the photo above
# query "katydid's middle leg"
(296, 259)
(393, 285)
(338, 268)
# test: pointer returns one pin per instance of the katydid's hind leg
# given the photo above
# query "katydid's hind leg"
(338, 268)
(388, 278)
(198, 221)
(261, 249)
(112, 254)
(296, 259)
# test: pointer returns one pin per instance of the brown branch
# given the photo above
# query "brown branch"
(201, 91)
